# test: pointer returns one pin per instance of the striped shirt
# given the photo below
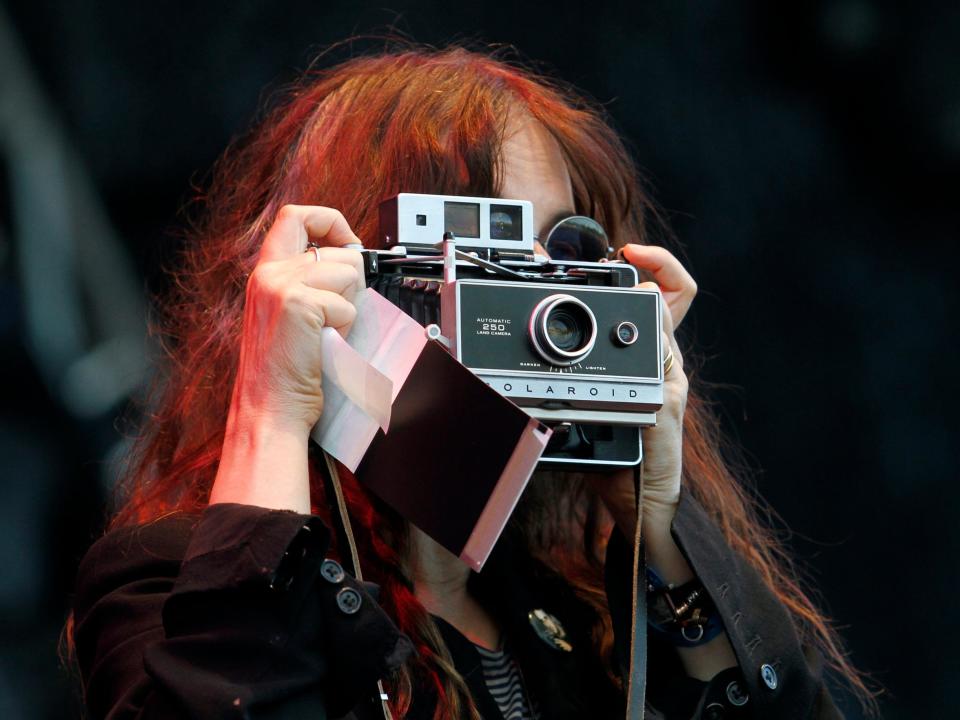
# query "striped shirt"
(502, 675)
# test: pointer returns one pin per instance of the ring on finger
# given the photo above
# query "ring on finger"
(316, 250)
(668, 361)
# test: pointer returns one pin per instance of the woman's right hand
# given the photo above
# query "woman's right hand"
(277, 397)
(291, 295)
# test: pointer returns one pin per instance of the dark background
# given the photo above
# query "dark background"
(809, 156)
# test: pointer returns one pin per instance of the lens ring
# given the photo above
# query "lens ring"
(540, 334)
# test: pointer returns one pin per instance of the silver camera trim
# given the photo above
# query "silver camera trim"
(457, 333)
(577, 396)
(398, 222)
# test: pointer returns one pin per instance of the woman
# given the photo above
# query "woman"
(215, 593)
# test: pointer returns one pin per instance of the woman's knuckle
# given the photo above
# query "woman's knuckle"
(340, 273)
(340, 303)
(288, 295)
(258, 278)
(676, 389)
(286, 212)
(342, 309)
(353, 273)
(358, 264)
(261, 271)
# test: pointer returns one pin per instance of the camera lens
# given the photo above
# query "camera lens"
(563, 329)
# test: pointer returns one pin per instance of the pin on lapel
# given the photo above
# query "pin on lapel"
(549, 629)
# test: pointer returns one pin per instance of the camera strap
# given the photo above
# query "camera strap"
(635, 674)
(344, 530)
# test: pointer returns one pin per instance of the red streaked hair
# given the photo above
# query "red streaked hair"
(414, 120)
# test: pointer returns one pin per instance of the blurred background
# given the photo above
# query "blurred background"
(808, 155)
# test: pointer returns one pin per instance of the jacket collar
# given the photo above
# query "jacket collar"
(467, 661)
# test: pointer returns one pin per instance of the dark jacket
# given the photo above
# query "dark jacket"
(232, 614)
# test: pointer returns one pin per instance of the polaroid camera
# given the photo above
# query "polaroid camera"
(571, 342)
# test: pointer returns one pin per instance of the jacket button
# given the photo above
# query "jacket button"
(331, 571)
(769, 676)
(737, 696)
(714, 711)
(349, 600)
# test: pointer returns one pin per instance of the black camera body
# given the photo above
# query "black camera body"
(573, 343)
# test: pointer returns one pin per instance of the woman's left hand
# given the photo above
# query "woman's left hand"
(663, 458)
(662, 443)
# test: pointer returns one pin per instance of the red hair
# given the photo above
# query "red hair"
(348, 137)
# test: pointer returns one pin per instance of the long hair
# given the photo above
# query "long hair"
(348, 137)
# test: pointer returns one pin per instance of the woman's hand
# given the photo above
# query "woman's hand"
(277, 397)
(291, 295)
(663, 443)
(663, 458)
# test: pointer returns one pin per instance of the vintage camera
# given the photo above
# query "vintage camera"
(571, 342)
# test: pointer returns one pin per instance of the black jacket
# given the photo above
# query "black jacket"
(230, 614)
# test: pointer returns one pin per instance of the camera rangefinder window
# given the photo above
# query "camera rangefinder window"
(506, 222)
(462, 219)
